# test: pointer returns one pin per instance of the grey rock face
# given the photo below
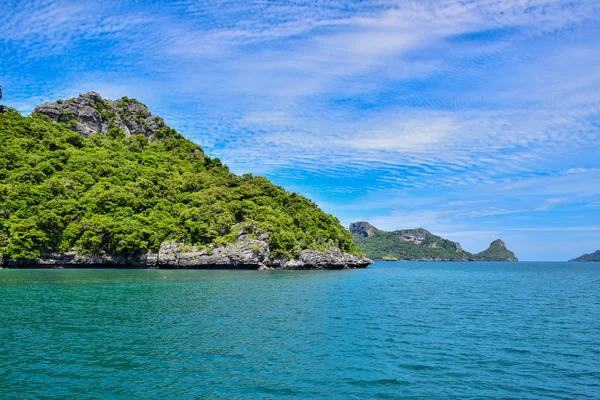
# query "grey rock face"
(245, 253)
(420, 235)
(413, 235)
(4, 109)
(362, 228)
(75, 260)
(89, 113)
(334, 259)
(499, 243)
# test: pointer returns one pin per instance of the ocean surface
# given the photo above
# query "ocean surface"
(392, 331)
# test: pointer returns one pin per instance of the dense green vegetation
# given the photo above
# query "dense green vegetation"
(595, 256)
(112, 194)
(496, 251)
(388, 244)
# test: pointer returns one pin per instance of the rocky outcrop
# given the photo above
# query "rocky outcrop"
(363, 229)
(417, 236)
(90, 113)
(245, 253)
(423, 237)
(5, 109)
(334, 259)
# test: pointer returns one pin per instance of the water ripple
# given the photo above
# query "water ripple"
(396, 330)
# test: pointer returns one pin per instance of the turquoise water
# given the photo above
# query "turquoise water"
(395, 330)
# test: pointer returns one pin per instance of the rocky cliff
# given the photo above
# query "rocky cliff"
(363, 229)
(96, 182)
(419, 245)
(90, 113)
(245, 253)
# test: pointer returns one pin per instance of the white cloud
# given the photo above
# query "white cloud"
(497, 97)
(560, 229)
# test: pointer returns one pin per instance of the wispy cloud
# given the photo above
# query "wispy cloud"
(560, 229)
(491, 101)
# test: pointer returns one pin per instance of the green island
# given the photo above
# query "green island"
(419, 245)
(94, 182)
(592, 257)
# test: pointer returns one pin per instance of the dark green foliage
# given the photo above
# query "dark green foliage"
(497, 251)
(111, 194)
(116, 133)
(389, 245)
(593, 257)
(385, 244)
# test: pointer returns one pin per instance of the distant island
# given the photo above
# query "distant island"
(91, 182)
(592, 257)
(419, 245)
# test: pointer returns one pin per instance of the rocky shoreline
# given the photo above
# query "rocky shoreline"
(247, 253)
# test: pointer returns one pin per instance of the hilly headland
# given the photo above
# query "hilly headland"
(419, 245)
(592, 257)
(92, 182)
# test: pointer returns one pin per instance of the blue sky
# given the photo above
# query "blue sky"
(473, 119)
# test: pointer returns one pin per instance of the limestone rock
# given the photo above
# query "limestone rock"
(90, 113)
(413, 235)
(246, 253)
(363, 229)
(5, 109)
(334, 259)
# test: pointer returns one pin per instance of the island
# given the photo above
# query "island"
(92, 182)
(592, 257)
(419, 245)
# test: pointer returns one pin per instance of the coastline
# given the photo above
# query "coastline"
(247, 253)
(444, 260)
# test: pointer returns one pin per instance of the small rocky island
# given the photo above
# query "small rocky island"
(592, 257)
(419, 245)
(91, 182)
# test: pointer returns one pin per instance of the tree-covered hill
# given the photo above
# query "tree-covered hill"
(496, 252)
(592, 257)
(126, 191)
(419, 245)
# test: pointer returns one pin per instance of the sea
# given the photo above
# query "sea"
(396, 330)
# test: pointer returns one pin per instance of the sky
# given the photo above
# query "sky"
(476, 120)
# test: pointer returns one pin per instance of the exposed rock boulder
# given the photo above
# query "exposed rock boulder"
(89, 113)
(363, 229)
(413, 235)
(245, 253)
(334, 259)
(74, 259)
